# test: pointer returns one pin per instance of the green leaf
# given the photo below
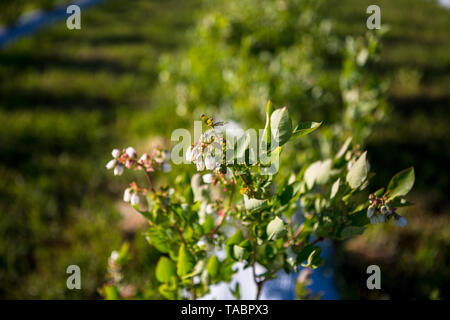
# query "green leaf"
(238, 252)
(159, 239)
(304, 253)
(236, 292)
(266, 137)
(344, 148)
(358, 172)
(401, 183)
(335, 188)
(351, 231)
(213, 267)
(318, 172)
(236, 238)
(165, 269)
(253, 205)
(186, 261)
(275, 229)
(111, 293)
(314, 259)
(168, 291)
(281, 126)
(198, 268)
(304, 128)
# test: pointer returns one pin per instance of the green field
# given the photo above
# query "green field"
(68, 97)
(415, 57)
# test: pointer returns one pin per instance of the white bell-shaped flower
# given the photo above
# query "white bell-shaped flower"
(210, 162)
(118, 170)
(134, 199)
(130, 152)
(111, 164)
(127, 195)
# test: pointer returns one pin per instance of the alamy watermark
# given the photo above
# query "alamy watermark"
(374, 280)
(74, 280)
(73, 22)
(374, 20)
(226, 145)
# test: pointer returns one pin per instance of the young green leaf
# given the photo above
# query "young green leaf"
(318, 172)
(165, 269)
(401, 183)
(266, 137)
(335, 188)
(213, 266)
(253, 205)
(186, 261)
(236, 238)
(275, 229)
(304, 128)
(281, 126)
(238, 252)
(358, 172)
(314, 259)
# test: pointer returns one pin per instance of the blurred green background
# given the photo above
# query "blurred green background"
(68, 97)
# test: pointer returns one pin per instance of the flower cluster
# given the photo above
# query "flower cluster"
(128, 158)
(207, 153)
(380, 210)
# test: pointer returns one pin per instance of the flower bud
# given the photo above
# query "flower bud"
(115, 153)
(166, 167)
(388, 208)
(370, 211)
(118, 170)
(114, 256)
(111, 164)
(399, 221)
(210, 162)
(134, 199)
(128, 164)
(130, 152)
(207, 178)
(127, 195)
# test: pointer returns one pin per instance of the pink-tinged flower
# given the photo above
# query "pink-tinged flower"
(144, 157)
(200, 165)
(210, 162)
(128, 164)
(134, 199)
(130, 152)
(115, 153)
(111, 164)
(207, 178)
(166, 167)
(399, 221)
(118, 170)
(127, 195)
